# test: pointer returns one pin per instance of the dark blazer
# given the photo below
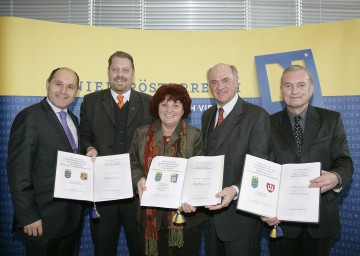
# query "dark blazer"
(246, 130)
(35, 138)
(325, 142)
(97, 119)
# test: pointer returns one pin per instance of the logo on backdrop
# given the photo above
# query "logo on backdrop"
(284, 60)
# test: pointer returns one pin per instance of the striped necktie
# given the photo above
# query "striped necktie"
(220, 118)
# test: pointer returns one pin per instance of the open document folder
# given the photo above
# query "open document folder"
(173, 180)
(78, 178)
(273, 190)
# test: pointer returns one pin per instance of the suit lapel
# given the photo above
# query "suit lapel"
(312, 126)
(286, 131)
(231, 121)
(54, 121)
(134, 108)
(107, 102)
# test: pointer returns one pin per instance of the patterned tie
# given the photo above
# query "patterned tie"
(220, 118)
(67, 131)
(298, 133)
(121, 101)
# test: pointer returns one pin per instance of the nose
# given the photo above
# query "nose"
(294, 89)
(63, 89)
(120, 73)
(220, 86)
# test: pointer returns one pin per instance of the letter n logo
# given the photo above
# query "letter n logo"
(269, 68)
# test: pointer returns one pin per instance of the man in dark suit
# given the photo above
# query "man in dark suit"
(302, 133)
(108, 120)
(51, 226)
(244, 129)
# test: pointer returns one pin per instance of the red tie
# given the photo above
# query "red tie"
(220, 117)
(121, 101)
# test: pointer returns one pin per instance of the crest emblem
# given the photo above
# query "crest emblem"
(158, 176)
(270, 187)
(67, 173)
(173, 178)
(83, 176)
(254, 181)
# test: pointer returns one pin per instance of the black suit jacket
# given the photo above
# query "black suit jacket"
(35, 138)
(246, 130)
(97, 119)
(325, 142)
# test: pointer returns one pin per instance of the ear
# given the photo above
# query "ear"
(47, 85)
(312, 87)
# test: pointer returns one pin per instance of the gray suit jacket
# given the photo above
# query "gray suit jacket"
(246, 130)
(97, 119)
(325, 142)
(35, 138)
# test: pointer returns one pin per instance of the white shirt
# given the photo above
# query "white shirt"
(228, 107)
(69, 120)
(126, 96)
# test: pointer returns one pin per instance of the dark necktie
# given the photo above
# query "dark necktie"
(121, 101)
(220, 117)
(298, 133)
(67, 131)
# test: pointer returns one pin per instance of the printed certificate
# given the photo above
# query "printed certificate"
(78, 178)
(173, 180)
(273, 190)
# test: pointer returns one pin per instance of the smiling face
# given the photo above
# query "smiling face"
(223, 84)
(296, 90)
(120, 75)
(170, 112)
(62, 88)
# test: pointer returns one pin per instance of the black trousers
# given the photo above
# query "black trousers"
(303, 245)
(67, 245)
(105, 231)
(215, 247)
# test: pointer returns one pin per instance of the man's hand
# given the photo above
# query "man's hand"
(326, 181)
(227, 195)
(271, 221)
(185, 207)
(141, 187)
(92, 152)
(34, 229)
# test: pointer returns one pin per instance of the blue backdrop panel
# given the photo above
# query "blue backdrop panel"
(346, 243)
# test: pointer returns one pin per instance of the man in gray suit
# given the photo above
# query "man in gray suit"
(51, 226)
(244, 129)
(108, 120)
(302, 133)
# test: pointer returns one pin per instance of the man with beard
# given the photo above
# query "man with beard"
(108, 120)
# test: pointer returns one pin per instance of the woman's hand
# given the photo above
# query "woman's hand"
(141, 187)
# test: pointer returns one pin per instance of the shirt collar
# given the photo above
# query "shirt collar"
(228, 107)
(55, 108)
(126, 95)
(302, 114)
